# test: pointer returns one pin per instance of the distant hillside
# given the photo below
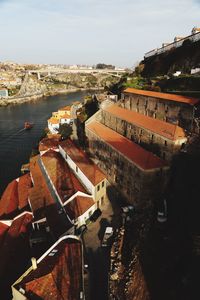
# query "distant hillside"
(182, 59)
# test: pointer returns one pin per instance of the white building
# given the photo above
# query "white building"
(92, 178)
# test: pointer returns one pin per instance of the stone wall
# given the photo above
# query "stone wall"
(137, 185)
(153, 142)
(178, 113)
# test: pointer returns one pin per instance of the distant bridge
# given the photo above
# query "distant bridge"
(58, 71)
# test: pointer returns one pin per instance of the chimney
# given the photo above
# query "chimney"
(34, 263)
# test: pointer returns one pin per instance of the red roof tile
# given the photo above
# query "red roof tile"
(24, 185)
(58, 274)
(9, 200)
(48, 143)
(89, 169)
(3, 230)
(78, 206)
(139, 156)
(164, 96)
(59, 173)
(167, 130)
(39, 195)
(13, 244)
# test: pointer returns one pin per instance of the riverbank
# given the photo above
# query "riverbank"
(20, 100)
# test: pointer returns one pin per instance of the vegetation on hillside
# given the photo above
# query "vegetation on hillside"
(65, 131)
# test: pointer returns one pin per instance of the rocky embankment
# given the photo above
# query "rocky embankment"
(37, 96)
(33, 89)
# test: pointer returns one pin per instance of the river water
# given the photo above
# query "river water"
(16, 143)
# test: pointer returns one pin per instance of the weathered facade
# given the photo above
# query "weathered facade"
(136, 173)
(176, 109)
(159, 137)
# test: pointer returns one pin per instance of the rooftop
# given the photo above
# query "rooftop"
(61, 175)
(139, 156)
(24, 185)
(65, 116)
(165, 96)
(78, 206)
(42, 203)
(48, 143)
(167, 130)
(39, 195)
(53, 121)
(65, 108)
(89, 169)
(11, 239)
(9, 200)
(58, 274)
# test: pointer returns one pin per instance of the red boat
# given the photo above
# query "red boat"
(28, 125)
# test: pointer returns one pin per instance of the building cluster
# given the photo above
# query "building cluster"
(47, 205)
(178, 42)
(64, 115)
(135, 139)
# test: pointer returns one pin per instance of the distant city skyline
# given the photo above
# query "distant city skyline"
(91, 31)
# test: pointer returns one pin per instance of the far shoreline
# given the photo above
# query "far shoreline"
(20, 100)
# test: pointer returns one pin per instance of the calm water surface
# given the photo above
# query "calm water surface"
(16, 143)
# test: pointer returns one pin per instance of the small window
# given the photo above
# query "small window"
(164, 155)
(102, 200)
(102, 184)
(76, 169)
(98, 188)
(165, 143)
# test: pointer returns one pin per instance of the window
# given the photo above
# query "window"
(102, 184)
(102, 200)
(165, 143)
(98, 188)
(76, 169)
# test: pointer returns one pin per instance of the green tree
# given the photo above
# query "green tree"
(65, 131)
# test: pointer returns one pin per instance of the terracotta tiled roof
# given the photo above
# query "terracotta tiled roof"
(15, 196)
(3, 230)
(53, 121)
(39, 195)
(65, 108)
(167, 130)
(48, 143)
(61, 176)
(24, 185)
(89, 169)
(59, 173)
(78, 206)
(58, 274)
(9, 200)
(139, 156)
(65, 116)
(42, 203)
(12, 244)
(165, 96)
(54, 136)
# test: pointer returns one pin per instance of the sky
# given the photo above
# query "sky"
(117, 32)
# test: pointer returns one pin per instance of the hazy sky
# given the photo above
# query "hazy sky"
(91, 31)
